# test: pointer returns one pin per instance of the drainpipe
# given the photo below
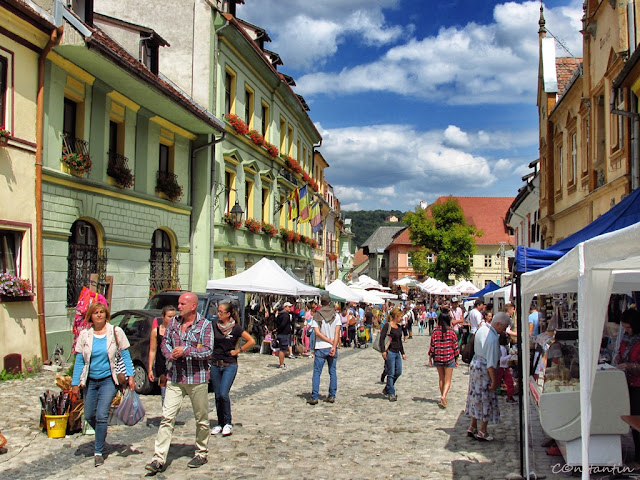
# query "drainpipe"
(193, 176)
(635, 144)
(54, 39)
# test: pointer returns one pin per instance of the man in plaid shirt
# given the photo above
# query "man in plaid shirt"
(187, 345)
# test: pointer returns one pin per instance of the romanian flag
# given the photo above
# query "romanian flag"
(294, 200)
(316, 217)
(304, 205)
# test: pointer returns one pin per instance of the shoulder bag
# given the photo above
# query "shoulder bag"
(387, 340)
(121, 370)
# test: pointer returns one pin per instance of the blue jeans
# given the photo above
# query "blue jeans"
(98, 395)
(321, 355)
(394, 370)
(312, 340)
(222, 378)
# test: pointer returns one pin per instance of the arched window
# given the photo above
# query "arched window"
(84, 259)
(163, 264)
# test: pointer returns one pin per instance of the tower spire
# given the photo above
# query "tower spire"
(542, 22)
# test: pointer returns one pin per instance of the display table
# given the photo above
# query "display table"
(560, 417)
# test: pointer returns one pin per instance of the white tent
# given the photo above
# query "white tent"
(266, 276)
(445, 290)
(466, 287)
(507, 294)
(337, 287)
(595, 269)
(407, 282)
(364, 281)
(368, 296)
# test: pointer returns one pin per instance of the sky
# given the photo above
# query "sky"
(416, 99)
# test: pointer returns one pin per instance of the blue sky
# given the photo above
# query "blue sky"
(418, 98)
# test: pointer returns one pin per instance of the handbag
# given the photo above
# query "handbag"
(130, 411)
(387, 340)
(468, 350)
(121, 369)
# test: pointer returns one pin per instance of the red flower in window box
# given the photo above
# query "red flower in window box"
(253, 225)
(332, 257)
(237, 123)
(305, 177)
(5, 135)
(230, 220)
(256, 138)
(271, 149)
(296, 237)
(269, 229)
(313, 243)
(287, 235)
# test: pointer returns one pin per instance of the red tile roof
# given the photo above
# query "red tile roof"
(403, 238)
(486, 214)
(565, 68)
(359, 258)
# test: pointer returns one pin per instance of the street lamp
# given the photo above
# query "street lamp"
(237, 212)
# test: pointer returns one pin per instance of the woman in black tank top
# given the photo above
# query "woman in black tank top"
(157, 361)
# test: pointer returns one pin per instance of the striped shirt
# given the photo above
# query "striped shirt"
(444, 346)
(197, 340)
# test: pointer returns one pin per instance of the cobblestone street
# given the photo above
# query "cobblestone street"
(277, 435)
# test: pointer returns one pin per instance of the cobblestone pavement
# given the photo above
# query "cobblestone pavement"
(277, 435)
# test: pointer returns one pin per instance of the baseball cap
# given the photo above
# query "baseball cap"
(454, 300)
(287, 304)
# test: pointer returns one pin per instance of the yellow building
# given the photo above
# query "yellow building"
(586, 160)
(24, 37)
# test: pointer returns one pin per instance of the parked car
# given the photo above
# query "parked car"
(136, 324)
(207, 302)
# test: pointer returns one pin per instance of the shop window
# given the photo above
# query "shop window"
(163, 264)
(85, 258)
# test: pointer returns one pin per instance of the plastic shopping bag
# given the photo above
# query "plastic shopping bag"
(130, 411)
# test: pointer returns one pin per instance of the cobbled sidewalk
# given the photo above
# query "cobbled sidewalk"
(277, 435)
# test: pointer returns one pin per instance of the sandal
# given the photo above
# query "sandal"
(485, 437)
(443, 401)
(471, 432)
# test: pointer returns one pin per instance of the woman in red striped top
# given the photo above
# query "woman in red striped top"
(444, 353)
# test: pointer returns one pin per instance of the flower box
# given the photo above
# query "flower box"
(78, 163)
(237, 123)
(167, 183)
(16, 298)
(230, 220)
(256, 138)
(253, 225)
(269, 229)
(271, 149)
(5, 135)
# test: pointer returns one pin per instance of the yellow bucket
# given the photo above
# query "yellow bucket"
(56, 425)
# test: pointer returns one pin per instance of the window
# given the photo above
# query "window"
(69, 118)
(248, 199)
(229, 91)
(163, 267)
(3, 90)
(265, 205)
(229, 268)
(85, 258)
(559, 168)
(10, 242)
(617, 123)
(430, 258)
(149, 53)
(290, 140)
(265, 120)
(84, 9)
(471, 260)
(574, 158)
(409, 262)
(488, 261)
(229, 190)
(283, 135)
(584, 143)
(163, 159)
(283, 212)
(248, 107)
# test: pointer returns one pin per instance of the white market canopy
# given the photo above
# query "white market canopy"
(364, 281)
(445, 291)
(596, 268)
(266, 276)
(368, 296)
(407, 282)
(337, 287)
(466, 287)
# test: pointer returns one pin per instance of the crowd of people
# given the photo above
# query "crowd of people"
(187, 351)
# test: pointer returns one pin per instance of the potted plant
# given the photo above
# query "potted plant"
(296, 237)
(305, 177)
(271, 149)
(256, 137)
(253, 225)
(269, 229)
(313, 243)
(5, 135)
(79, 163)
(237, 123)
(230, 220)
(122, 175)
(14, 288)
(168, 185)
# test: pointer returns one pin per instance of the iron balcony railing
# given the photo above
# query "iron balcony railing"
(116, 162)
(74, 145)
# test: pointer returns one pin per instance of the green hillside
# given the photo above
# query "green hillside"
(365, 222)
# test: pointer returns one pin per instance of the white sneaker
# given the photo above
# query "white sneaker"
(292, 356)
(216, 430)
(282, 367)
(227, 430)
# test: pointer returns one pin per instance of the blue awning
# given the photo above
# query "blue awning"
(625, 213)
(488, 288)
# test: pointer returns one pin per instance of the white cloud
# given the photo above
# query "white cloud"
(473, 64)
(386, 191)
(503, 168)
(454, 137)
(318, 28)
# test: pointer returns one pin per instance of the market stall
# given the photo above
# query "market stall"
(594, 269)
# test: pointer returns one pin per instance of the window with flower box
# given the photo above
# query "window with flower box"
(248, 106)
(265, 205)
(3, 90)
(10, 245)
(265, 120)
(229, 91)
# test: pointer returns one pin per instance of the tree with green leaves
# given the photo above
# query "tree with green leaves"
(441, 231)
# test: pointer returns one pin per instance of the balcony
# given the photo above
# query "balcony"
(74, 145)
(118, 169)
(289, 176)
(167, 186)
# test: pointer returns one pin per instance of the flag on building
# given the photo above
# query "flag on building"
(316, 217)
(294, 200)
(304, 205)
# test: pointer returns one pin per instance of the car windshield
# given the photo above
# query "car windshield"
(159, 301)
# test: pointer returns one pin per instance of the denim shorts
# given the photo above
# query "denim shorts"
(285, 341)
(450, 364)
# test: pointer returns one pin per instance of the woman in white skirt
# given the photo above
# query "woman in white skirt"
(482, 399)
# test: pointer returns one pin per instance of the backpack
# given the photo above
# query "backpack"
(468, 350)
